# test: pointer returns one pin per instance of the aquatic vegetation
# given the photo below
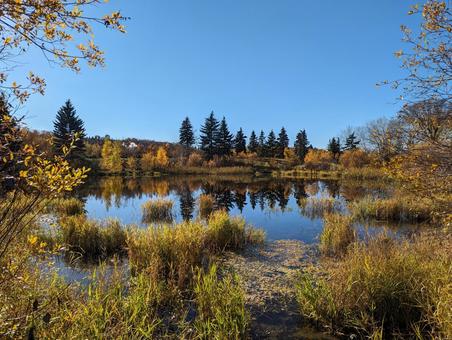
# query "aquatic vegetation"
(395, 289)
(171, 251)
(92, 239)
(317, 207)
(157, 210)
(67, 206)
(401, 209)
(206, 205)
(220, 306)
(337, 234)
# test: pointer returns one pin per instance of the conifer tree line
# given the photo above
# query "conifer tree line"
(216, 139)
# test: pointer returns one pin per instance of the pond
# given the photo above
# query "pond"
(279, 206)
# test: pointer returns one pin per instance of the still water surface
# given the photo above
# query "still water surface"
(278, 206)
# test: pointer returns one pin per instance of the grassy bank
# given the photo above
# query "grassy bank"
(174, 288)
(398, 209)
(345, 174)
(383, 289)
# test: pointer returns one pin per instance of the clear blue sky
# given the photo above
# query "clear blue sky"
(261, 63)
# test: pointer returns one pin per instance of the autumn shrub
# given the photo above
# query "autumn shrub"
(195, 159)
(355, 158)
(365, 173)
(92, 239)
(157, 210)
(383, 287)
(317, 159)
(67, 206)
(206, 205)
(399, 209)
(220, 305)
(337, 234)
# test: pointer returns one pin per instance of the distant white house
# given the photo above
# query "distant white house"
(130, 145)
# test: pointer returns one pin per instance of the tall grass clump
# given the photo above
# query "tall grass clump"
(337, 234)
(399, 209)
(167, 252)
(384, 287)
(157, 210)
(220, 306)
(67, 206)
(230, 233)
(317, 207)
(206, 205)
(92, 239)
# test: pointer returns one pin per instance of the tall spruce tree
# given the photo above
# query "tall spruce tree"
(334, 146)
(224, 139)
(208, 136)
(261, 149)
(283, 142)
(271, 145)
(240, 141)
(186, 134)
(301, 145)
(351, 142)
(66, 125)
(253, 143)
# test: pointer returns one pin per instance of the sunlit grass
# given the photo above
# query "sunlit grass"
(383, 287)
(337, 234)
(92, 239)
(399, 209)
(157, 210)
(67, 206)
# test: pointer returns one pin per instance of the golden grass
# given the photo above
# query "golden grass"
(337, 234)
(92, 239)
(67, 206)
(206, 205)
(317, 207)
(384, 288)
(157, 210)
(399, 209)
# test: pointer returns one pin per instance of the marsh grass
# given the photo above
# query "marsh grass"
(383, 289)
(157, 210)
(206, 204)
(92, 239)
(220, 306)
(317, 207)
(67, 206)
(337, 234)
(170, 252)
(398, 209)
(365, 173)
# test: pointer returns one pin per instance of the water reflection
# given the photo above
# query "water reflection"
(286, 209)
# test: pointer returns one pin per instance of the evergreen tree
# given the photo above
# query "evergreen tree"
(283, 142)
(66, 125)
(351, 142)
(271, 145)
(208, 136)
(334, 146)
(253, 143)
(301, 145)
(186, 134)
(224, 139)
(261, 150)
(240, 141)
